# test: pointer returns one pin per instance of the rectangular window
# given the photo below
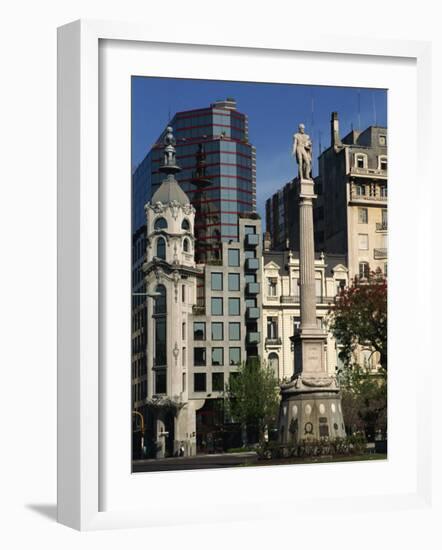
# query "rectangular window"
(233, 257)
(183, 293)
(249, 229)
(217, 331)
(363, 215)
(217, 281)
(271, 286)
(384, 217)
(382, 140)
(199, 331)
(363, 241)
(249, 254)
(217, 357)
(217, 381)
(250, 278)
(234, 356)
(272, 327)
(234, 306)
(233, 280)
(199, 357)
(160, 381)
(217, 306)
(234, 331)
(184, 382)
(199, 381)
(183, 331)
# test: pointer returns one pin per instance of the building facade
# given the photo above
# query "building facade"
(281, 306)
(350, 213)
(353, 175)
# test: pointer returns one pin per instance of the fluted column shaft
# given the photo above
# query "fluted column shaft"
(307, 263)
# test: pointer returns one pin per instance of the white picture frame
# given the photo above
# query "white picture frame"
(84, 464)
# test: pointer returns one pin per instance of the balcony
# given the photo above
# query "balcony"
(359, 171)
(252, 313)
(383, 226)
(290, 299)
(362, 194)
(251, 240)
(252, 264)
(380, 253)
(253, 338)
(273, 341)
(252, 288)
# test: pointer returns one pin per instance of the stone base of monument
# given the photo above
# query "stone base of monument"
(310, 413)
(311, 401)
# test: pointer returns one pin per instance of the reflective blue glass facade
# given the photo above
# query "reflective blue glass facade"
(230, 168)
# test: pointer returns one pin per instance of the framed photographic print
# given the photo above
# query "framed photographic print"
(229, 216)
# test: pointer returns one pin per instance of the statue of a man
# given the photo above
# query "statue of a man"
(302, 150)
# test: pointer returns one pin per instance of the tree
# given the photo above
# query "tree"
(359, 317)
(252, 396)
(364, 400)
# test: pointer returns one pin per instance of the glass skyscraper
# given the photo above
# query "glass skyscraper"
(230, 169)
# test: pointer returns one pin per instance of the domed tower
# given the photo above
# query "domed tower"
(170, 277)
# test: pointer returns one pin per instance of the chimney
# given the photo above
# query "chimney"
(335, 139)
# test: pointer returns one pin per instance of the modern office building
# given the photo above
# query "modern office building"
(230, 168)
(350, 213)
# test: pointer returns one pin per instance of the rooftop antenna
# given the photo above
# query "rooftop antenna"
(374, 109)
(359, 109)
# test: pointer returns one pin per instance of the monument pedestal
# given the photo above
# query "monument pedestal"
(311, 401)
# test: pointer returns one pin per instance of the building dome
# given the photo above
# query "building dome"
(170, 191)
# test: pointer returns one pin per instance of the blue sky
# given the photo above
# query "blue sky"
(274, 112)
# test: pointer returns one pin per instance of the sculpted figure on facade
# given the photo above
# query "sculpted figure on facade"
(302, 151)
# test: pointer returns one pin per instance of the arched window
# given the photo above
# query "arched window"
(274, 363)
(186, 245)
(160, 310)
(364, 270)
(185, 225)
(361, 160)
(161, 248)
(160, 223)
(383, 162)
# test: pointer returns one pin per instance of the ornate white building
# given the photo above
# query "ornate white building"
(170, 279)
(281, 306)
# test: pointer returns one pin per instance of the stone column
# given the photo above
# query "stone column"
(307, 256)
(311, 401)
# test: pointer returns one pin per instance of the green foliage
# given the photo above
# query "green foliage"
(364, 400)
(252, 396)
(359, 317)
